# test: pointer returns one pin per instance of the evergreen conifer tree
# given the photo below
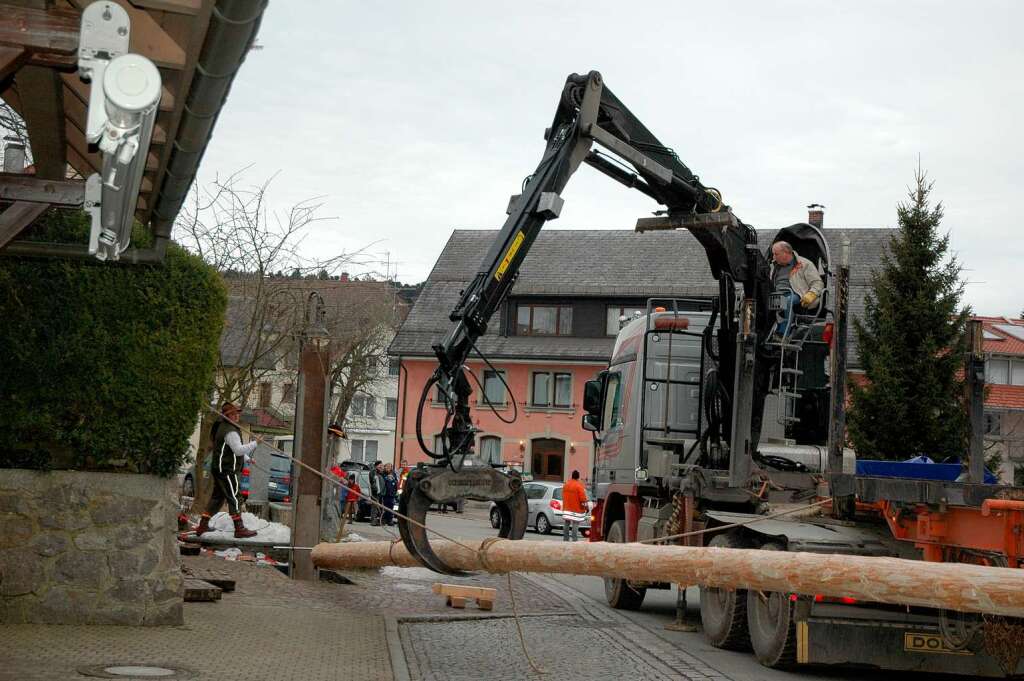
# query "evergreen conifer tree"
(911, 342)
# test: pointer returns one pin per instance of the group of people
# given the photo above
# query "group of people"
(383, 490)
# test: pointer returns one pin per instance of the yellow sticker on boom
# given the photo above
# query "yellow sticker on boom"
(511, 253)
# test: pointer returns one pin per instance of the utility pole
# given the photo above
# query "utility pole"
(310, 433)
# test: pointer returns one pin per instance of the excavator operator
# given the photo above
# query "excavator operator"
(798, 278)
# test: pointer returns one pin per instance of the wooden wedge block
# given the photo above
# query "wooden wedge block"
(456, 602)
(457, 595)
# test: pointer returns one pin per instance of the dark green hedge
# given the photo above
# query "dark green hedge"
(105, 365)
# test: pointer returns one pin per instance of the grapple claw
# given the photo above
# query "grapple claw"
(428, 485)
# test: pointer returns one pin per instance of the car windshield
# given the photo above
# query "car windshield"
(280, 464)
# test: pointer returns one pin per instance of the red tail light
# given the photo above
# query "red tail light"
(287, 479)
(846, 600)
(287, 500)
(245, 471)
(245, 493)
(828, 333)
(556, 504)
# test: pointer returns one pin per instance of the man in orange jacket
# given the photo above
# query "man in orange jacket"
(574, 507)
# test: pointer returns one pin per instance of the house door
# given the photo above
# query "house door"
(548, 459)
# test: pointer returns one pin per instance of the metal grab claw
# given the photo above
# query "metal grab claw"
(438, 484)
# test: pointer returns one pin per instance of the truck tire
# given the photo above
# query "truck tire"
(771, 623)
(618, 592)
(723, 612)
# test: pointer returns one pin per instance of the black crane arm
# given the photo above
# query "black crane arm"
(588, 113)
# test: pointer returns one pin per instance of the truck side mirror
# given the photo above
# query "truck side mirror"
(591, 423)
(592, 394)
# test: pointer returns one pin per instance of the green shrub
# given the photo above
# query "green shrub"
(105, 365)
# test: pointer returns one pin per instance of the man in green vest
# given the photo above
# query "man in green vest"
(228, 458)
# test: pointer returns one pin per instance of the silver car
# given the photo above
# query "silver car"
(544, 500)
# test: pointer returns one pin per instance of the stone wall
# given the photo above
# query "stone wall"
(96, 548)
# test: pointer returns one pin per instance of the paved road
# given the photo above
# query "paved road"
(658, 610)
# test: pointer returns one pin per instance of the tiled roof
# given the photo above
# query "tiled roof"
(1005, 397)
(597, 263)
(1003, 335)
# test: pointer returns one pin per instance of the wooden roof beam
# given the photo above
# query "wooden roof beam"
(53, 31)
(17, 217)
(21, 187)
(173, 6)
(11, 59)
(42, 107)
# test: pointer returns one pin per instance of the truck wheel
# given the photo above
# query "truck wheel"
(723, 612)
(543, 526)
(771, 624)
(618, 592)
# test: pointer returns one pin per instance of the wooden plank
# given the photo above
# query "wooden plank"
(147, 37)
(40, 30)
(198, 591)
(950, 586)
(20, 187)
(173, 6)
(17, 217)
(464, 591)
(218, 579)
(42, 107)
(76, 141)
(11, 59)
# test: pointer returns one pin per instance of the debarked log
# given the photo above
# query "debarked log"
(953, 586)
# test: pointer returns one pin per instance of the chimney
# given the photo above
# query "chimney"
(14, 156)
(344, 276)
(816, 215)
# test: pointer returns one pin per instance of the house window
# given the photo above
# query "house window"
(616, 312)
(494, 387)
(394, 366)
(363, 405)
(544, 320)
(1017, 372)
(992, 423)
(997, 371)
(551, 389)
(266, 394)
(364, 450)
(490, 449)
(288, 393)
(391, 408)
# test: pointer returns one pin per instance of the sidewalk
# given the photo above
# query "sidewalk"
(268, 628)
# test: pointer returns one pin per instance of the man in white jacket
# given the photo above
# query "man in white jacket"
(229, 457)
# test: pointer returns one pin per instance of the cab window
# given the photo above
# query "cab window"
(613, 402)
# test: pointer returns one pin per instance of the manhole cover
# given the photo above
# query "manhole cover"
(136, 671)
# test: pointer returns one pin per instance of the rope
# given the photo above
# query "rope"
(480, 552)
(519, 628)
(743, 523)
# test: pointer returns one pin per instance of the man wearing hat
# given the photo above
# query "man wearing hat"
(229, 456)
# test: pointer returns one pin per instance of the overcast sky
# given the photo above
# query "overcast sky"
(415, 118)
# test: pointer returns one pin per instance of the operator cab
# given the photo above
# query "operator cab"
(799, 391)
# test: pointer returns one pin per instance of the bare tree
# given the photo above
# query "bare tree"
(230, 225)
(361, 326)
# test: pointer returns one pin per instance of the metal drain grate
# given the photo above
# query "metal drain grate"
(136, 671)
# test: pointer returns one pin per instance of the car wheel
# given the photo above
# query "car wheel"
(188, 487)
(543, 525)
(619, 593)
(495, 518)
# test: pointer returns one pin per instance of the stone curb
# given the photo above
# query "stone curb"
(399, 665)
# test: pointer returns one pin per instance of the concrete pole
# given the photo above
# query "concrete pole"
(953, 586)
(840, 484)
(310, 428)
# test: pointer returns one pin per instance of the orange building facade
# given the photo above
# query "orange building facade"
(545, 441)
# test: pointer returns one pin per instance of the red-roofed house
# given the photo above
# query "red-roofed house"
(1004, 403)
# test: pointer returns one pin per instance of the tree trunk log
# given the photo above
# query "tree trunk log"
(952, 586)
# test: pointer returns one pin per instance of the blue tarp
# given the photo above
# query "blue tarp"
(920, 468)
